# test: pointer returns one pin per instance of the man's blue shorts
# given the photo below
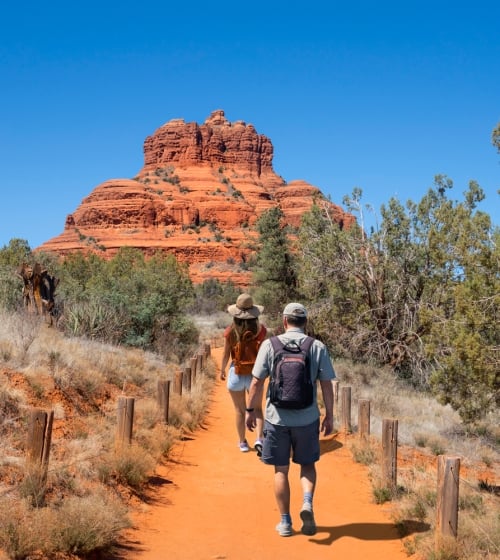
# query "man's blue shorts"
(301, 443)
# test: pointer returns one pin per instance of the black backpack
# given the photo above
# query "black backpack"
(290, 384)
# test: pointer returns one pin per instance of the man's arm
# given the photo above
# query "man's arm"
(327, 391)
(255, 394)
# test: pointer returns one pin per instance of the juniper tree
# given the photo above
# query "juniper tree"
(420, 292)
(274, 277)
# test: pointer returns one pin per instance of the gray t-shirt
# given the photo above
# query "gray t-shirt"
(321, 369)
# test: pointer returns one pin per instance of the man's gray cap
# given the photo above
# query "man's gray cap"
(295, 310)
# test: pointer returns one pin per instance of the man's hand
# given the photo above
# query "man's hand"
(327, 425)
(250, 420)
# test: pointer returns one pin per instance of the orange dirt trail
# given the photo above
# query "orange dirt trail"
(215, 503)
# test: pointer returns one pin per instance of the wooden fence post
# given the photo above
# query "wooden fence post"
(125, 420)
(335, 383)
(194, 371)
(447, 497)
(336, 413)
(186, 378)
(207, 349)
(364, 418)
(346, 409)
(39, 437)
(164, 398)
(199, 366)
(178, 382)
(389, 452)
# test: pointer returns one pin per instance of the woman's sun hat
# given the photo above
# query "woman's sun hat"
(244, 308)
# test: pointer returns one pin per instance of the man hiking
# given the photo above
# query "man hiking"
(292, 431)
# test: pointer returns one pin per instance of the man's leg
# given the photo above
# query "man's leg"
(282, 488)
(282, 494)
(308, 478)
(308, 483)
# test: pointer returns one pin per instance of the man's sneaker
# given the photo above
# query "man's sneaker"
(258, 447)
(284, 529)
(308, 523)
(244, 446)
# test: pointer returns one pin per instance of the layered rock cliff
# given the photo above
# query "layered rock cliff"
(198, 196)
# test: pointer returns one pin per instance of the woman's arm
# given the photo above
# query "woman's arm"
(225, 358)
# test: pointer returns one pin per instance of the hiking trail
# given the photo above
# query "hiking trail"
(213, 502)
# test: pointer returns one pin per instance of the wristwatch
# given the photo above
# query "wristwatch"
(249, 409)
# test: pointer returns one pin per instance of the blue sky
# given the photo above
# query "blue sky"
(377, 95)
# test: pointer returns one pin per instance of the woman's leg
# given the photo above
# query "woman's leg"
(239, 401)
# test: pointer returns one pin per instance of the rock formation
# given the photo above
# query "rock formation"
(198, 196)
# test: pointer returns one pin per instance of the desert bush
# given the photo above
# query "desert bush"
(175, 338)
(382, 494)
(24, 529)
(80, 525)
(94, 319)
(364, 452)
(86, 382)
(128, 299)
(33, 488)
(437, 445)
(212, 296)
(479, 535)
(18, 331)
(10, 289)
(421, 439)
(128, 464)
(11, 401)
(89, 523)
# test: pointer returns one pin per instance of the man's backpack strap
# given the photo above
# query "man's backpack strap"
(305, 346)
(276, 343)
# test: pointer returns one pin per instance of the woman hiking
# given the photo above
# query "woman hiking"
(242, 339)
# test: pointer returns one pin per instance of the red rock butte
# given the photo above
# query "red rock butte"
(198, 196)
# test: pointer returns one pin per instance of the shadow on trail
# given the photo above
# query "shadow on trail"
(366, 532)
(149, 493)
(156, 481)
(118, 552)
(329, 445)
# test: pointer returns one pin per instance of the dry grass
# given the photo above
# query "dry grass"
(80, 380)
(478, 528)
(430, 429)
(128, 465)
(78, 525)
(80, 503)
(422, 421)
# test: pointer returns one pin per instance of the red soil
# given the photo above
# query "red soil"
(214, 502)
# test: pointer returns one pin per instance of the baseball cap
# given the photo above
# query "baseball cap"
(295, 310)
